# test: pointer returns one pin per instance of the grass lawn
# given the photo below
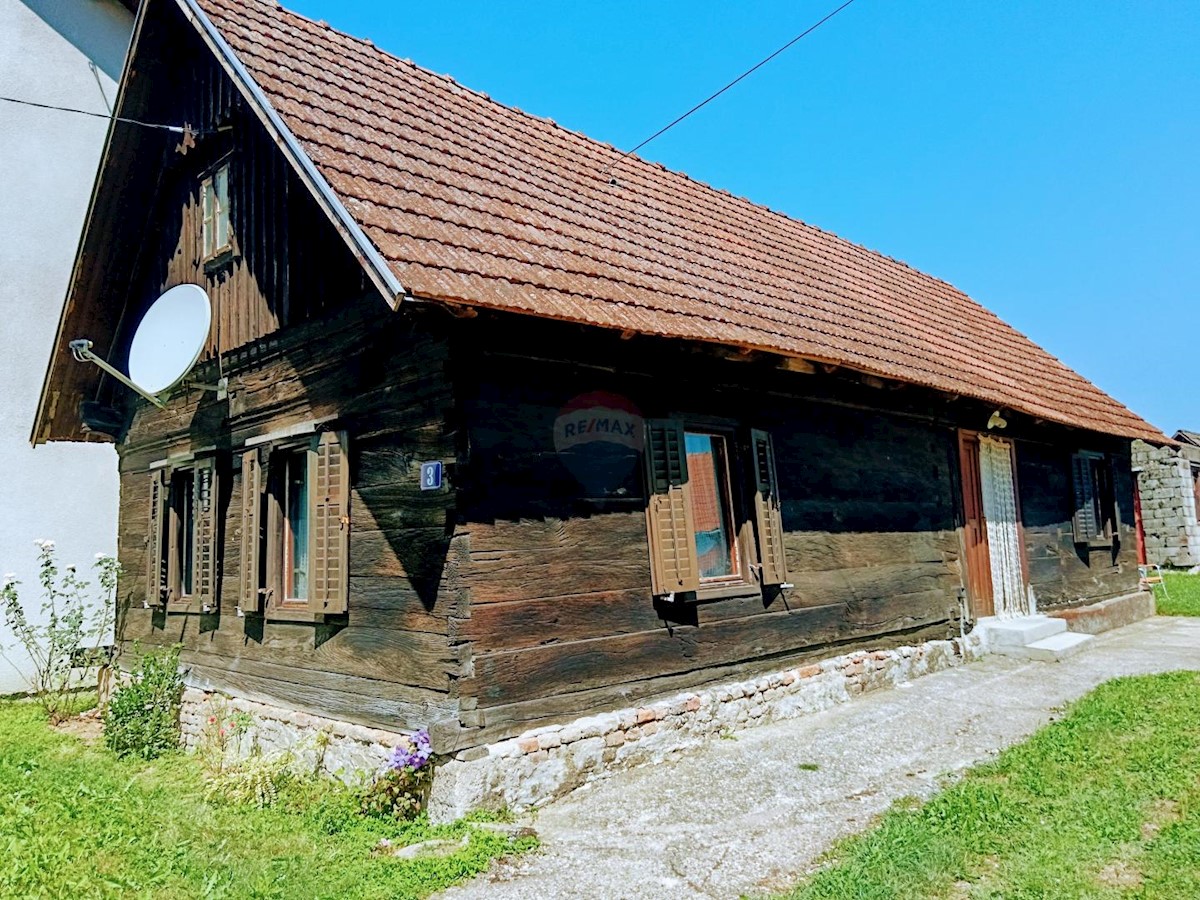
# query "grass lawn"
(77, 822)
(1184, 599)
(1103, 803)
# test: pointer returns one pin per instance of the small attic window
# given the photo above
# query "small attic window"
(214, 205)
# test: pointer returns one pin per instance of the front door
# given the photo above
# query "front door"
(992, 538)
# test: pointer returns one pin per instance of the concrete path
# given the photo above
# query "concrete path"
(742, 816)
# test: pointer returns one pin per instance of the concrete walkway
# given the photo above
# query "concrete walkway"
(742, 816)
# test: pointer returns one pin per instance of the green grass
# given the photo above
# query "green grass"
(1181, 597)
(1103, 803)
(77, 822)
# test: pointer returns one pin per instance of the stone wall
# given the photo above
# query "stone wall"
(345, 751)
(545, 763)
(548, 762)
(1168, 505)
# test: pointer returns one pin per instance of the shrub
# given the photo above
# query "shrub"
(75, 622)
(142, 718)
(401, 791)
(256, 780)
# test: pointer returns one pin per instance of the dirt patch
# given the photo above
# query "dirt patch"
(1120, 874)
(1160, 814)
(88, 727)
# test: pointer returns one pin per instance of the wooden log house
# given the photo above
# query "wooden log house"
(681, 437)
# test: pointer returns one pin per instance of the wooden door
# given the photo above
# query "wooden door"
(976, 560)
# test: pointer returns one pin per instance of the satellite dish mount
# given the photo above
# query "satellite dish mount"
(166, 346)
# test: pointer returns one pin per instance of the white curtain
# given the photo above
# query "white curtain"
(1004, 540)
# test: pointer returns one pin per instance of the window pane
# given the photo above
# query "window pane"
(206, 214)
(297, 516)
(708, 480)
(222, 211)
(187, 524)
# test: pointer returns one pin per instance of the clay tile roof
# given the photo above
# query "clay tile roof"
(470, 201)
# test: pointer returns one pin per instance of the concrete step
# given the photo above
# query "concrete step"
(1107, 614)
(1003, 633)
(1056, 647)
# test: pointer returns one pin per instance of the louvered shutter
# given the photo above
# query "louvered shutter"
(673, 563)
(205, 548)
(768, 515)
(249, 598)
(156, 561)
(1084, 522)
(330, 535)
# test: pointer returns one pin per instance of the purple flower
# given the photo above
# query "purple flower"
(414, 754)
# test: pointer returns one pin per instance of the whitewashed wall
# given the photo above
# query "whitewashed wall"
(48, 160)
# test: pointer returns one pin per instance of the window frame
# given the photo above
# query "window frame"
(181, 536)
(1103, 494)
(212, 253)
(274, 575)
(735, 513)
(738, 460)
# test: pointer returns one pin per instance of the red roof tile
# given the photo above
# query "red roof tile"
(473, 202)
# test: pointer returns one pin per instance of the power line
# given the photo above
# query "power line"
(754, 68)
(177, 129)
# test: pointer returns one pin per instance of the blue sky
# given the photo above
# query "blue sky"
(1043, 157)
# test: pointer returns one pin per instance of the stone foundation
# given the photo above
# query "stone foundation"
(545, 763)
(1096, 618)
(340, 749)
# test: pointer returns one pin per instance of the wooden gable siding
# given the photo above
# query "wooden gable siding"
(1061, 572)
(387, 662)
(562, 620)
(287, 263)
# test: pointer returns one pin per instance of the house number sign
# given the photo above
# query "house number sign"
(431, 475)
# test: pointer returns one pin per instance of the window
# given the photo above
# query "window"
(214, 207)
(705, 539)
(295, 528)
(1196, 489)
(1095, 519)
(294, 505)
(182, 533)
(183, 536)
(709, 496)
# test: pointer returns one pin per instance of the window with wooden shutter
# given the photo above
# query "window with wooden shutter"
(768, 514)
(249, 551)
(1095, 517)
(156, 562)
(205, 537)
(330, 523)
(673, 563)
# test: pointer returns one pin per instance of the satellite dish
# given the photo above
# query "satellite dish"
(170, 338)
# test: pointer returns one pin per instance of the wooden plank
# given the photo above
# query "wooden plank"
(524, 674)
(530, 623)
(384, 712)
(414, 658)
(528, 560)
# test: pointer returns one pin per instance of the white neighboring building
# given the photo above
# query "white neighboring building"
(65, 492)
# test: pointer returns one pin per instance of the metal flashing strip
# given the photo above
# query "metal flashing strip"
(297, 430)
(377, 267)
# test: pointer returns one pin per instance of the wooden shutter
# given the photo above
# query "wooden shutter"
(673, 563)
(249, 579)
(768, 515)
(1084, 521)
(205, 547)
(329, 556)
(156, 562)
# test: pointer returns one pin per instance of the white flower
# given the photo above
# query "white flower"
(103, 556)
(10, 577)
(45, 544)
